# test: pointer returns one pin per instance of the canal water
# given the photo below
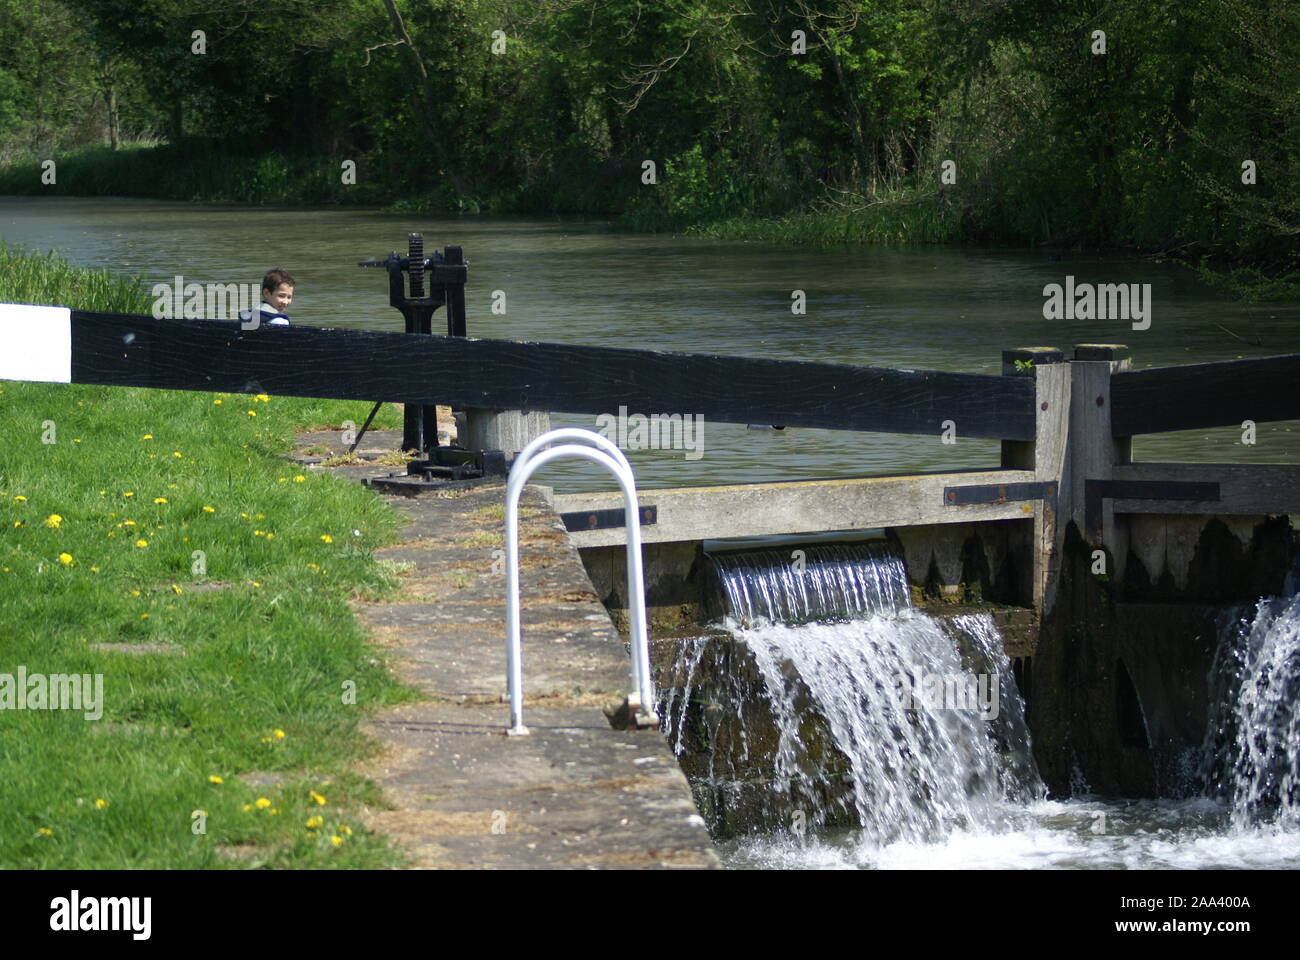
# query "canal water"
(586, 283)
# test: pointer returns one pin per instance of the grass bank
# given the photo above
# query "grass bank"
(159, 539)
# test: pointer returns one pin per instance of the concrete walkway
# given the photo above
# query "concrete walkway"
(574, 794)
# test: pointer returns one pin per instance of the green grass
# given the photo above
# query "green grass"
(274, 647)
(30, 278)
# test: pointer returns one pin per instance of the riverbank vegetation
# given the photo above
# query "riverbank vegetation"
(159, 539)
(1164, 131)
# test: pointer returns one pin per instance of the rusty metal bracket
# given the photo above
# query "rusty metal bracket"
(998, 493)
(607, 519)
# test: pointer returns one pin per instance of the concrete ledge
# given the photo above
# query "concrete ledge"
(574, 794)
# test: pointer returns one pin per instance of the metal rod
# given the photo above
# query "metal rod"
(364, 427)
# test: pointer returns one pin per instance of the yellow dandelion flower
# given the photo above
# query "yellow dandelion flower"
(266, 739)
(20, 499)
(53, 521)
(65, 559)
(320, 801)
(127, 523)
(18, 523)
(248, 806)
(300, 479)
(274, 811)
(100, 803)
(270, 536)
(209, 509)
(128, 493)
(336, 840)
(94, 569)
(278, 734)
(263, 398)
(215, 779)
(314, 822)
(147, 436)
(345, 830)
(262, 803)
(144, 616)
(259, 516)
(142, 544)
(325, 537)
(217, 401)
(76, 439)
(176, 453)
(177, 590)
(135, 593)
(45, 831)
(282, 480)
(252, 413)
(159, 499)
(256, 583)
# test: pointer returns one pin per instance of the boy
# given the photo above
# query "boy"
(277, 294)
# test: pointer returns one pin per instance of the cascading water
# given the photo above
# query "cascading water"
(1252, 750)
(903, 726)
(824, 722)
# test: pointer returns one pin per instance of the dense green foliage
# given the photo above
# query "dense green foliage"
(804, 119)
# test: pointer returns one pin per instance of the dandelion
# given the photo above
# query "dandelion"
(128, 493)
(100, 803)
(18, 523)
(76, 439)
(314, 822)
(20, 499)
(248, 806)
(65, 559)
(282, 480)
(147, 436)
(256, 583)
(53, 521)
(262, 803)
(94, 569)
(274, 811)
(176, 453)
(177, 590)
(45, 831)
(270, 536)
(159, 499)
(208, 509)
(217, 401)
(345, 830)
(215, 779)
(326, 538)
(144, 616)
(263, 398)
(142, 543)
(127, 523)
(135, 593)
(252, 413)
(300, 479)
(336, 840)
(278, 734)
(320, 801)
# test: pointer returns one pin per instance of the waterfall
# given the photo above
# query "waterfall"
(1251, 757)
(834, 701)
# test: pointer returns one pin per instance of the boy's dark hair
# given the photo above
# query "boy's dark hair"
(274, 278)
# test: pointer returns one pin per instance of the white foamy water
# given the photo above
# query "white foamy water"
(1069, 835)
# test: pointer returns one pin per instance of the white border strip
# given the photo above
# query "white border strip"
(35, 343)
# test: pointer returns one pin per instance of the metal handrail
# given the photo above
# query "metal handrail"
(641, 697)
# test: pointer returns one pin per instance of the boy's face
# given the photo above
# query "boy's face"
(280, 299)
